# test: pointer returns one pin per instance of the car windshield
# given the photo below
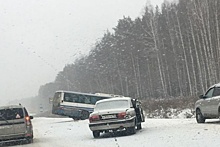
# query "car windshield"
(114, 104)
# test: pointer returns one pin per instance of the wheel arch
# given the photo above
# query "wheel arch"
(199, 109)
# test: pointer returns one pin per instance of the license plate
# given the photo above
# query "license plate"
(108, 116)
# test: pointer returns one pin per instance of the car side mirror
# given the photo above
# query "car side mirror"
(31, 117)
(202, 96)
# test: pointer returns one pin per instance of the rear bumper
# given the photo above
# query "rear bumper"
(15, 137)
(112, 125)
(4, 142)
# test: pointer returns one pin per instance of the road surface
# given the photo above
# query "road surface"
(64, 132)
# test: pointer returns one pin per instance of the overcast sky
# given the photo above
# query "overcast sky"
(39, 37)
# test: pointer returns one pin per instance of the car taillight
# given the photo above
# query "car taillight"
(122, 115)
(28, 122)
(94, 118)
(27, 118)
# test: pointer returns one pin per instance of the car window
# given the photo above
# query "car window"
(112, 104)
(216, 91)
(209, 93)
(10, 114)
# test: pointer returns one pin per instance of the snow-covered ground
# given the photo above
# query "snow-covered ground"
(64, 132)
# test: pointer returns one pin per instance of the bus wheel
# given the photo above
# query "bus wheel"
(84, 115)
(75, 119)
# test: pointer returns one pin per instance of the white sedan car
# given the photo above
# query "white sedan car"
(116, 114)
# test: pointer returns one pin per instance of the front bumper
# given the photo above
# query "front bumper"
(112, 124)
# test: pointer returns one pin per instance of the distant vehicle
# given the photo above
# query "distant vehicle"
(116, 114)
(76, 105)
(208, 106)
(15, 124)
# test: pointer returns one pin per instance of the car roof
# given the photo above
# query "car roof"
(11, 106)
(215, 85)
(114, 98)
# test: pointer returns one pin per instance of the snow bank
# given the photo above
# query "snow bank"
(171, 113)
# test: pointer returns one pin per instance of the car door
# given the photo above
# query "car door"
(6, 123)
(214, 101)
(205, 103)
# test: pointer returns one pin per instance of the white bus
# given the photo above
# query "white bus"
(75, 104)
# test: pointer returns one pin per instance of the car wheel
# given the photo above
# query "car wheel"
(84, 115)
(199, 117)
(29, 140)
(96, 134)
(139, 126)
(131, 130)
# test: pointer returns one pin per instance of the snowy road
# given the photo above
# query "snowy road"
(64, 132)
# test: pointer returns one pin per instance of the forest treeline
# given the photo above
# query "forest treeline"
(171, 51)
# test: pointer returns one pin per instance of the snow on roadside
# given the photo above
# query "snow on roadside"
(186, 113)
(172, 113)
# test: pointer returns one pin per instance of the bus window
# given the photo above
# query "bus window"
(100, 98)
(93, 99)
(66, 99)
(87, 99)
(75, 99)
(81, 99)
(69, 97)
